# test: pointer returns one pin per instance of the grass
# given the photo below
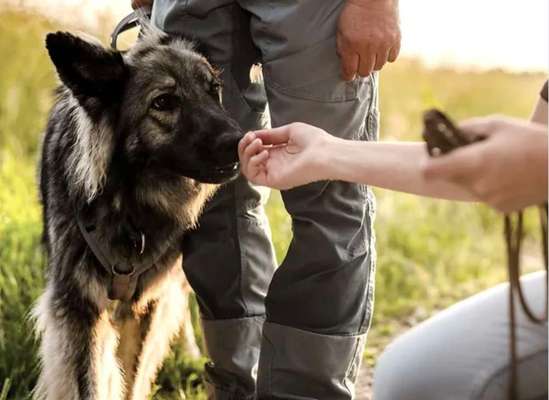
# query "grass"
(430, 253)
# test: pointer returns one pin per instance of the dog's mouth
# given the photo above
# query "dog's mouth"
(217, 175)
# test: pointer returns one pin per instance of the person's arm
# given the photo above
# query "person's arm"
(303, 154)
(388, 165)
(368, 36)
(507, 170)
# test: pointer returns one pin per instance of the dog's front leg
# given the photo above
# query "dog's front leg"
(77, 347)
(129, 323)
(159, 326)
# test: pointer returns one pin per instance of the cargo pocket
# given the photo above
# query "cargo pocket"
(314, 73)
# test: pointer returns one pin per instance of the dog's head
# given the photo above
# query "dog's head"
(160, 101)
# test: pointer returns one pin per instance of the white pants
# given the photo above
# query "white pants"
(463, 352)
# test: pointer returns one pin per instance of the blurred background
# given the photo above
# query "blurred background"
(469, 58)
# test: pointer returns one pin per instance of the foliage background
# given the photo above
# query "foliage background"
(430, 253)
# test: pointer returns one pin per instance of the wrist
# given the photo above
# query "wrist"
(326, 165)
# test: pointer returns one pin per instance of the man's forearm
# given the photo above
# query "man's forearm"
(393, 166)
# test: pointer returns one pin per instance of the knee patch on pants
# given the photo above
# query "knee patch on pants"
(325, 284)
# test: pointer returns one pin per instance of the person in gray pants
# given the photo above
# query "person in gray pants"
(299, 330)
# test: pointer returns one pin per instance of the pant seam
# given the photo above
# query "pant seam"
(269, 366)
(366, 316)
(340, 334)
(238, 249)
(273, 86)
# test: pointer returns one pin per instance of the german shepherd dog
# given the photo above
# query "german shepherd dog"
(135, 145)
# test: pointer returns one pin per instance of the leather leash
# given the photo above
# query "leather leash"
(513, 229)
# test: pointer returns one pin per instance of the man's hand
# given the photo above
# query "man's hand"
(142, 3)
(283, 157)
(368, 36)
(507, 170)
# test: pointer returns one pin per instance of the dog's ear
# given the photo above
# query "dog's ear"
(86, 68)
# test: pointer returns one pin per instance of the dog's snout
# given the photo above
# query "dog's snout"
(227, 141)
(227, 146)
(220, 136)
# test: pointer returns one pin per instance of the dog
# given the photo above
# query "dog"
(136, 143)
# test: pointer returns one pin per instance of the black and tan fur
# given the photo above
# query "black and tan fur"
(138, 139)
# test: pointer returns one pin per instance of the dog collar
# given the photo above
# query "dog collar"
(123, 281)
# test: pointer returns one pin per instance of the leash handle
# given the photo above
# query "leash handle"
(130, 21)
(441, 134)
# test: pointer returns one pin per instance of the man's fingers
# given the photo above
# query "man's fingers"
(349, 59)
(460, 164)
(367, 63)
(381, 59)
(349, 66)
(275, 136)
(394, 52)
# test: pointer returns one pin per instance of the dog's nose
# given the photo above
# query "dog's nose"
(227, 147)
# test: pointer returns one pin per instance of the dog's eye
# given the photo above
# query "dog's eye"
(165, 102)
(216, 86)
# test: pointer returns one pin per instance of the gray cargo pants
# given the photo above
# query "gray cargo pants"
(318, 304)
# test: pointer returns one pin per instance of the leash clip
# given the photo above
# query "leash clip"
(129, 22)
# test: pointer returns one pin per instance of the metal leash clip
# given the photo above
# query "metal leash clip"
(129, 22)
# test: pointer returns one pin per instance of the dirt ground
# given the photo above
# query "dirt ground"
(364, 383)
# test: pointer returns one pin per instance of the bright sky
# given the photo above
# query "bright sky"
(510, 34)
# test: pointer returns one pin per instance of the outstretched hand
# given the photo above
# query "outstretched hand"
(283, 157)
(507, 170)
